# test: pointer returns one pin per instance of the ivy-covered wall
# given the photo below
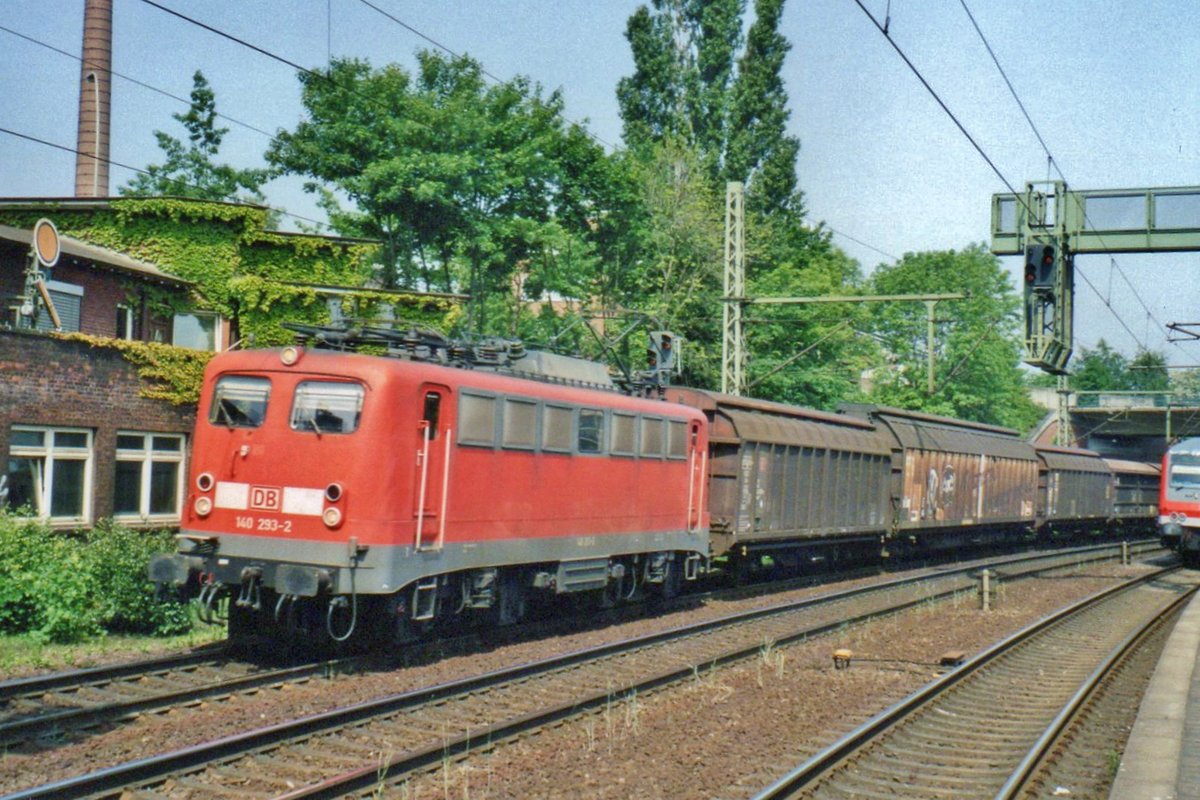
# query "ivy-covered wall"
(240, 269)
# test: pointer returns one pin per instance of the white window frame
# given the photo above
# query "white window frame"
(125, 324)
(147, 456)
(218, 329)
(50, 454)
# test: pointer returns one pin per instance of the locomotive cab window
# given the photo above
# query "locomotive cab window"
(327, 407)
(239, 401)
(591, 431)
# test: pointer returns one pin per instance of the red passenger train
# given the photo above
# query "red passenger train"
(337, 494)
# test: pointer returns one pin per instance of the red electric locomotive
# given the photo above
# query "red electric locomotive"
(339, 494)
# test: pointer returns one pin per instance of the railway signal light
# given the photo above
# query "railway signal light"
(662, 351)
(1040, 266)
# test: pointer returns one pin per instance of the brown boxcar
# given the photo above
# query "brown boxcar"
(1075, 488)
(782, 474)
(952, 475)
(1135, 492)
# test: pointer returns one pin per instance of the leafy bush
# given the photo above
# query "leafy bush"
(117, 559)
(64, 587)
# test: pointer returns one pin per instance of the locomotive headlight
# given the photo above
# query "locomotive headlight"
(333, 492)
(205, 482)
(332, 517)
(290, 355)
(203, 506)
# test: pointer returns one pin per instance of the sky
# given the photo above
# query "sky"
(1111, 87)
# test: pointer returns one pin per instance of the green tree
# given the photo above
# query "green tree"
(697, 80)
(1104, 369)
(1100, 369)
(470, 187)
(1186, 385)
(977, 348)
(190, 170)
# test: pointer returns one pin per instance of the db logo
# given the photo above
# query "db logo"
(265, 498)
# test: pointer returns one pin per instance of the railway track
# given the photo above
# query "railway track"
(60, 706)
(403, 734)
(985, 729)
(66, 704)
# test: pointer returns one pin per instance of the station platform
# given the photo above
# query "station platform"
(1162, 757)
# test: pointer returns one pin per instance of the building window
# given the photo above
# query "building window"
(49, 473)
(68, 302)
(149, 479)
(200, 330)
(126, 329)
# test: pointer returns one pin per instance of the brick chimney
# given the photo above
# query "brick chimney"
(95, 95)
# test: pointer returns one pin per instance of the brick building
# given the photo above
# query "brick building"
(80, 441)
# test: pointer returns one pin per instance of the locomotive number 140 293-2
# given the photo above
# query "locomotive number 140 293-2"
(247, 522)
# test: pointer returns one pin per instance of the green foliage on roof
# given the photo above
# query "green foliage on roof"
(239, 269)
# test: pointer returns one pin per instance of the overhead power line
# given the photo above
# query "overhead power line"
(139, 170)
(933, 93)
(978, 148)
(1054, 163)
(130, 79)
(482, 69)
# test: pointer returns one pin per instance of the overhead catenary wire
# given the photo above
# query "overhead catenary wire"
(144, 172)
(130, 79)
(1053, 162)
(974, 143)
(408, 27)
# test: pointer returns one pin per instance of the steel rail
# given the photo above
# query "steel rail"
(27, 727)
(38, 684)
(147, 771)
(824, 762)
(1041, 748)
(30, 725)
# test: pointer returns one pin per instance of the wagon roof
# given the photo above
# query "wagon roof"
(710, 401)
(917, 431)
(757, 426)
(1076, 460)
(1135, 467)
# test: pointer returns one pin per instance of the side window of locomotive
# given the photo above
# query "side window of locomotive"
(677, 439)
(520, 424)
(556, 429)
(591, 430)
(477, 419)
(239, 401)
(431, 412)
(326, 407)
(624, 435)
(652, 437)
